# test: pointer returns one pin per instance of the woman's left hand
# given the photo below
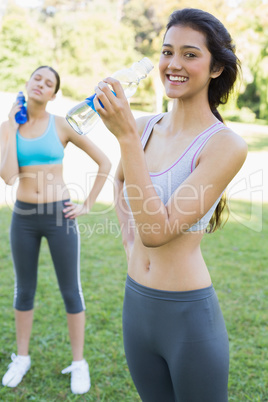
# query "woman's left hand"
(73, 210)
(116, 114)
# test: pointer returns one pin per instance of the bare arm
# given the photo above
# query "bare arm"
(158, 224)
(104, 167)
(123, 212)
(219, 163)
(9, 168)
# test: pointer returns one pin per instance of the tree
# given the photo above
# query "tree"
(88, 40)
(20, 43)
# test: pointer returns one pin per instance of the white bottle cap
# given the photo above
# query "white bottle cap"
(147, 64)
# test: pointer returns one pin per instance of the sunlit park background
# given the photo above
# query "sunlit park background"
(86, 41)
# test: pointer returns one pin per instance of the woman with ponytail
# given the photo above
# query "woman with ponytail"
(173, 172)
(33, 152)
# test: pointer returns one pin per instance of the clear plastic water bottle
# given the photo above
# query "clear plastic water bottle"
(83, 116)
(21, 116)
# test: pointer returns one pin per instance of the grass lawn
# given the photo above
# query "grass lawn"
(237, 259)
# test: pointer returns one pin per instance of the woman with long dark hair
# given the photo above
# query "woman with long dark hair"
(173, 172)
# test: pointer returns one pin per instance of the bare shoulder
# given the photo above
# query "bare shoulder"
(142, 121)
(68, 134)
(61, 122)
(222, 158)
(230, 143)
(64, 128)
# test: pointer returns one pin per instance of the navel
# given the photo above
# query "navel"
(148, 267)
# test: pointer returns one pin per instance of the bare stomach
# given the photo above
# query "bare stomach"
(42, 184)
(176, 266)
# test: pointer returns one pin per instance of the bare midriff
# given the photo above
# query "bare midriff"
(175, 266)
(41, 184)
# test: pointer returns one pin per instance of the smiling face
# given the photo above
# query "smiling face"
(184, 64)
(41, 86)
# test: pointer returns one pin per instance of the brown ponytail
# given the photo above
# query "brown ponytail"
(217, 221)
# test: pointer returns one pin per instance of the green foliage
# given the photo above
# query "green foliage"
(251, 37)
(88, 40)
(20, 44)
(84, 47)
(250, 98)
(143, 17)
(93, 56)
(262, 83)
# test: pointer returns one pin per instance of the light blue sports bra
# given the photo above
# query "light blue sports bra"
(167, 181)
(46, 149)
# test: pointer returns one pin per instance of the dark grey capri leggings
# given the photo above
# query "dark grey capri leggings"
(176, 344)
(30, 222)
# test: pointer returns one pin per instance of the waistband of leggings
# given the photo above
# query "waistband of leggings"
(187, 296)
(36, 208)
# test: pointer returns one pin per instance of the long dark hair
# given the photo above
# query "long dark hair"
(57, 87)
(222, 50)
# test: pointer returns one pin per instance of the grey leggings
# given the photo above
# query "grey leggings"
(31, 222)
(176, 344)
